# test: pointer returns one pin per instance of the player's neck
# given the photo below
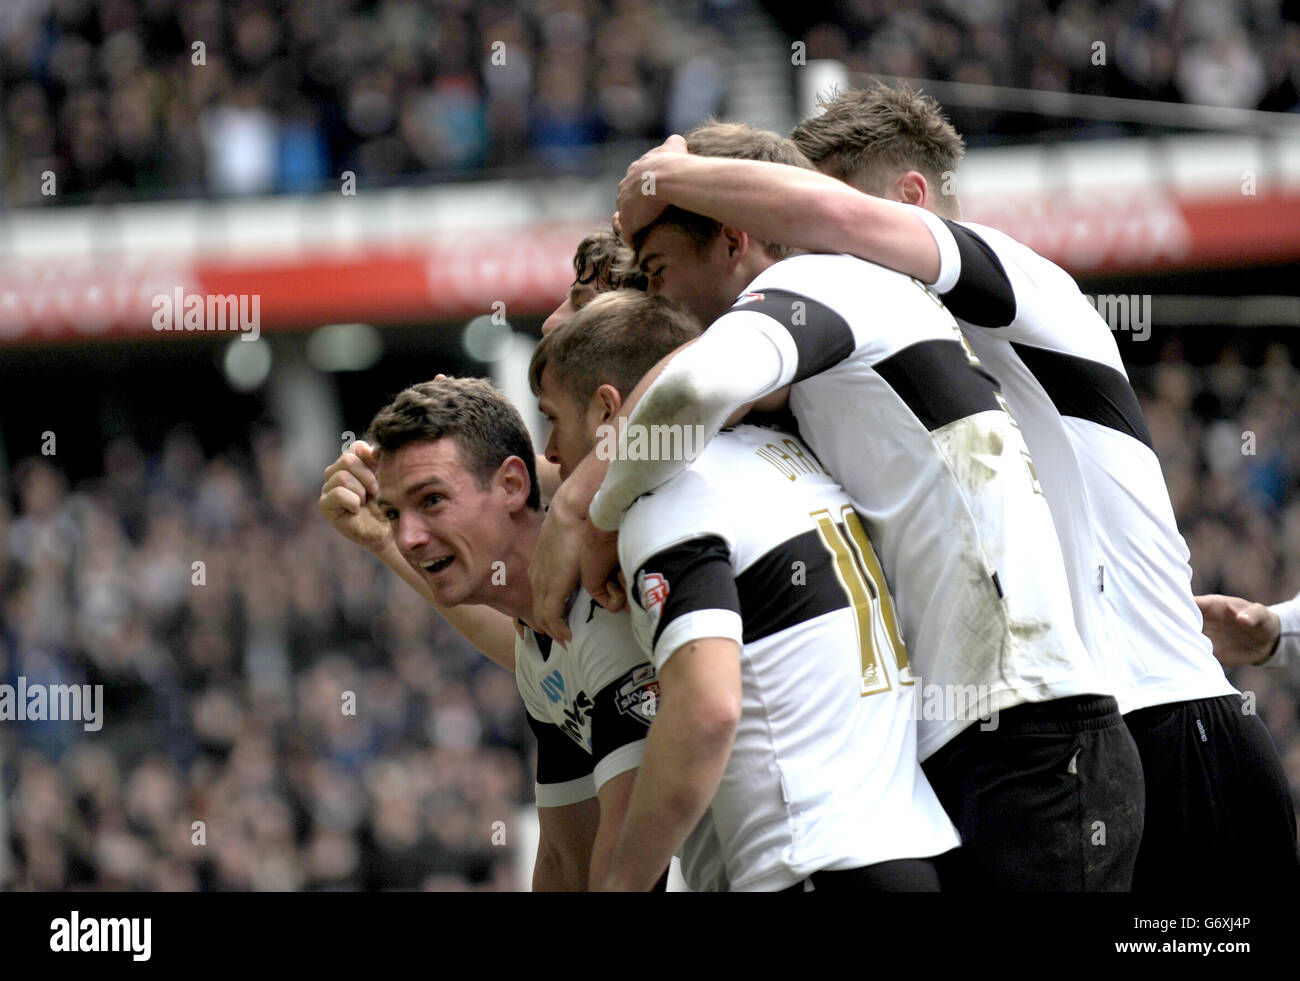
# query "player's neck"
(513, 593)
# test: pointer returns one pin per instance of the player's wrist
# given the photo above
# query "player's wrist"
(1274, 623)
(603, 515)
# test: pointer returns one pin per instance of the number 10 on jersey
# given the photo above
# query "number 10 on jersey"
(863, 580)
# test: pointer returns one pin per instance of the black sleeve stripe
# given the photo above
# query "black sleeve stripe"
(559, 758)
(821, 336)
(938, 382)
(983, 295)
(1087, 389)
(792, 583)
(699, 576)
(623, 711)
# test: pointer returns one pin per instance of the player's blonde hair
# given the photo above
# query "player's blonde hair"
(868, 136)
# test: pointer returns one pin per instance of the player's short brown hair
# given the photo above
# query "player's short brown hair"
(736, 141)
(487, 429)
(604, 263)
(613, 340)
(868, 136)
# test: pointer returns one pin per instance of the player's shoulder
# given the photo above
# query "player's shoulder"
(603, 645)
(692, 504)
(813, 272)
(532, 653)
(837, 291)
(593, 628)
(1012, 251)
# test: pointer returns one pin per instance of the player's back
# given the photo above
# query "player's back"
(757, 542)
(891, 399)
(1059, 366)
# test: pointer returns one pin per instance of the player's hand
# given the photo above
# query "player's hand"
(636, 208)
(347, 499)
(600, 573)
(555, 567)
(1243, 632)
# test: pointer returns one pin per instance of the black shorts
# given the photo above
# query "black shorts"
(1219, 811)
(1048, 801)
(899, 875)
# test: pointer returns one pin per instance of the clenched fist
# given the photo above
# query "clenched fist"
(348, 498)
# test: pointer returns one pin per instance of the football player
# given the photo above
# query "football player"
(1213, 777)
(890, 397)
(785, 738)
(457, 498)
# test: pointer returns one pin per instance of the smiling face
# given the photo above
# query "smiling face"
(698, 279)
(449, 528)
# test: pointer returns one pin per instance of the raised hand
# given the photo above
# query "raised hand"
(348, 498)
(638, 206)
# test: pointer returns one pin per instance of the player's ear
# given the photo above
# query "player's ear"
(512, 478)
(735, 242)
(605, 404)
(911, 187)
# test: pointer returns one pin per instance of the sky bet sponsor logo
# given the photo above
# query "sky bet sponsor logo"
(102, 934)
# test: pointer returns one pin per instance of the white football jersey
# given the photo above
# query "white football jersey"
(1288, 644)
(889, 396)
(590, 704)
(757, 543)
(1059, 367)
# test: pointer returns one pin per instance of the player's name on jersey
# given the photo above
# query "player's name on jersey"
(790, 457)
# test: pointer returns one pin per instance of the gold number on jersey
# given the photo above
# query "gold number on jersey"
(971, 356)
(863, 580)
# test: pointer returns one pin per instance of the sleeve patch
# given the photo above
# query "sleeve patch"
(652, 587)
(637, 694)
(702, 579)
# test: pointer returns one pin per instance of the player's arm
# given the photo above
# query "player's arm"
(564, 847)
(777, 203)
(809, 210)
(571, 547)
(614, 796)
(568, 811)
(686, 754)
(762, 357)
(347, 500)
(1251, 633)
(687, 608)
(610, 663)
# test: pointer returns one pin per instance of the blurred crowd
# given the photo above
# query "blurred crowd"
(127, 98)
(228, 684)
(120, 99)
(293, 695)
(1228, 439)
(1241, 53)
